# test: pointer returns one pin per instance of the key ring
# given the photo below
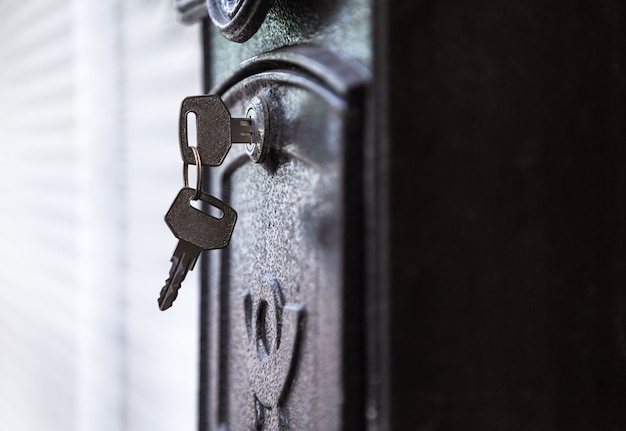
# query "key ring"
(196, 156)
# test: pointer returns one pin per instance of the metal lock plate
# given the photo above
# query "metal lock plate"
(284, 304)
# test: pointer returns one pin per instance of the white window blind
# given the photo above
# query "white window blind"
(89, 163)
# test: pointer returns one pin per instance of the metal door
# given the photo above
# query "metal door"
(436, 236)
(283, 330)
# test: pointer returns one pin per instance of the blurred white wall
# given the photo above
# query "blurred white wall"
(89, 164)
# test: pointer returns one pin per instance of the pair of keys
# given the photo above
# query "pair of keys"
(196, 230)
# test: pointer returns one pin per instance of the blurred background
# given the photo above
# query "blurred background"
(89, 164)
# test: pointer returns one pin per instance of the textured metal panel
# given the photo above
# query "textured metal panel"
(342, 26)
(285, 296)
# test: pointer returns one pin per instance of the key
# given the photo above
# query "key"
(196, 231)
(216, 130)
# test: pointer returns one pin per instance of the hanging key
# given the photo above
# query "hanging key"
(196, 231)
(216, 130)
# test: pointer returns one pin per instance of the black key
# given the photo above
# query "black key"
(197, 231)
(216, 131)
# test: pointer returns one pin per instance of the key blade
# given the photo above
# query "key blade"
(241, 130)
(183, 260)
(169, 292)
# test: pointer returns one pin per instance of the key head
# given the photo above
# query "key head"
(197, 227)
(213, 129)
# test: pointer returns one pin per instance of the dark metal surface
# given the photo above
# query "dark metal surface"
(506, 256)
(275, 332)
(285, 298)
